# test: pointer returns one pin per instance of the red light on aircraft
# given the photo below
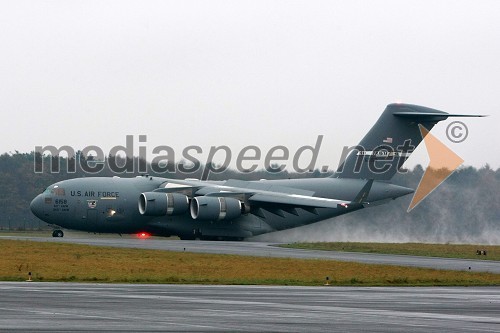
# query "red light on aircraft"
(143, 235)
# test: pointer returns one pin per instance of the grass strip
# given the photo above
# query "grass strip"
(85, 263)
(462, 251)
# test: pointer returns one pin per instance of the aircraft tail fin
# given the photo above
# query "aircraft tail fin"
(389, 143)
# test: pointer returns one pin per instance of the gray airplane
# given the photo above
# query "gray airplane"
(236, 209)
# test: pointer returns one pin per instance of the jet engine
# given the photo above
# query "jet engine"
(215, 208)
(158, 203)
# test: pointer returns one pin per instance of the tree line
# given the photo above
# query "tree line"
(465, 208)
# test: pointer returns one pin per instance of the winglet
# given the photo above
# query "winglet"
(363, 194)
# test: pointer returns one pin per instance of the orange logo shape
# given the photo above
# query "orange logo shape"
(442, 163)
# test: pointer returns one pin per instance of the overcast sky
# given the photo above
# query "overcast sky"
(241, 73)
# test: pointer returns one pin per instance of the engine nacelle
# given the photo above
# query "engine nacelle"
(158, 203)
(215, 208)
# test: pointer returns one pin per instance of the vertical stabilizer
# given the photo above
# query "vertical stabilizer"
(389, 143)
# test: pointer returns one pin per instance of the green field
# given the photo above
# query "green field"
(83, 263)
(414, 249)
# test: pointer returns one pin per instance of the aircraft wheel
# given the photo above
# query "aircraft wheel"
(57, 233)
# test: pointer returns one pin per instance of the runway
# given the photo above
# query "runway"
(81, 307)
(29, 306)
(262, 249)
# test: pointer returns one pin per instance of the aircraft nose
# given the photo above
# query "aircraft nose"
(36, 207)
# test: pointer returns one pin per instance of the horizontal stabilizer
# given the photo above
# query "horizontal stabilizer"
(432, 115)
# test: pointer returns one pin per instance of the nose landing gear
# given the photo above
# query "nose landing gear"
(57, 233)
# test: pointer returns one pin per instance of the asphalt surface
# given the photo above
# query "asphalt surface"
(28, 306)
(35, 306)
(262, 249)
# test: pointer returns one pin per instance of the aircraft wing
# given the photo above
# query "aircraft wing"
(295, 200)
(262, 195)
(288, 202)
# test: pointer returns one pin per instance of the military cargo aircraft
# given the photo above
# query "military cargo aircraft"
(236, 209)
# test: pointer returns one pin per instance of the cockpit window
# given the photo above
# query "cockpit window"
(55, 191)
(59, 191)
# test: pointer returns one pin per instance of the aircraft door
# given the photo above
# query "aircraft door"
(92, 216)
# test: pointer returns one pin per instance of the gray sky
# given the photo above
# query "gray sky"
(243, 73)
